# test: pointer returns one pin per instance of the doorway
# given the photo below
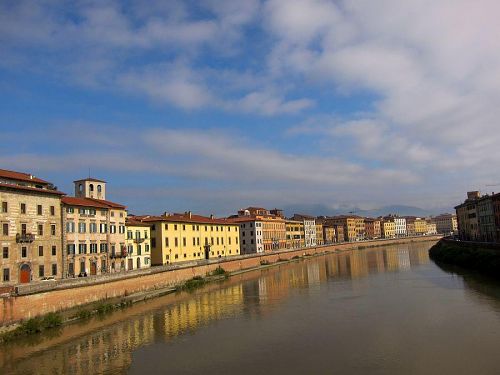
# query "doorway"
(25, 274)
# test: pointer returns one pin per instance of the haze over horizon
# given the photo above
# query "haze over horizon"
(211, 106)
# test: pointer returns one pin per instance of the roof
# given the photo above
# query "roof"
(109, 203)
(31, 189)
(82, 202)
(135, 223)
(186, 218)
(21, 176)
(90, 179)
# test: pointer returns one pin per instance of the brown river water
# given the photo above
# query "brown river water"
(388, 310)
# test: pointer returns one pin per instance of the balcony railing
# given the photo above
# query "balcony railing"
(25, 237)
(120, 253)
(139, 240)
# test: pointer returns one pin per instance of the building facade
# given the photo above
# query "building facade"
(294, 234)
(446, 224)
(320, 240)
(93, 231)
(353, 226)
(251, 237)
(329, 234)
(309, 228)
(388, 228)
(372, 229)
(187, 237)
(467, 218)
(30, 222)
(138, 245)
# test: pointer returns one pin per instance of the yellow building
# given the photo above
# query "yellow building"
(388, 228)
(138, 244)
(353, 226)
(187, 237)
(320, 240)
(420, 226)
(328, 234)
(294, 234)
(30, 229)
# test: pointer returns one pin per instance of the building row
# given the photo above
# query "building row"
(479, 217)
(47, 234)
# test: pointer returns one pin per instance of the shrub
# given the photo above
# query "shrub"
(83, 314)
(219, 271)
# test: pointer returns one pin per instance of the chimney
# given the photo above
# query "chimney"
(189, 214)
(212, 216)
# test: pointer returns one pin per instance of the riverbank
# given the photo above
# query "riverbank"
(77, 295)
(483, 258)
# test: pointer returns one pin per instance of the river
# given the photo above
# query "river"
(388, 310)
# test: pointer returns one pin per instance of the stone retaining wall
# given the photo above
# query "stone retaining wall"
(69, 295)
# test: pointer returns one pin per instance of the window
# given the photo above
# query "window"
(183, 227)
(176, 242)
(70, 210)
(5, 251)
(112, 228)
(6, 274)
(82, 227)
(39, 209)
(93, 228)
(184, 241)
(70, 226)
(40, 229)
(166, 226)
(5, 229)
(40, 251)
(41, 271)
(4, 207)
(166, 242)
(112, 213)
(91, 187)
(194, 241)
(103, 228)
(53, 229)
(93, 248)
(103, 247)
(129, 235)
(24, 252)
(54, 269)
(99, 188)
(146, 248)
(82, 248)
(52, 210)
(23, 208)
(175, 226)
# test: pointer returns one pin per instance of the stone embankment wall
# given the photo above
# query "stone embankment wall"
(40, 299)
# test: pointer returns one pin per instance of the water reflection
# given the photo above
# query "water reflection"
(106, 345)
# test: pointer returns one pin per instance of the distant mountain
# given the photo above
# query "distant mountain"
(323, 210)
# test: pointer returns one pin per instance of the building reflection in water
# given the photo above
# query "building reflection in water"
(108, 349)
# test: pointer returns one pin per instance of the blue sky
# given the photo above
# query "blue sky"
(216, 105)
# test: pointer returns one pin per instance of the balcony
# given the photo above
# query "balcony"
(25, 237)
(120, 253)
(139, 240)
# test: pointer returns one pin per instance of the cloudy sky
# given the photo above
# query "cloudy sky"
(212, 105)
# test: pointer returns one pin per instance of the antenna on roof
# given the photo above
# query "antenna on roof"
(89, 172)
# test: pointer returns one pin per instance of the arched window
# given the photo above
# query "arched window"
(80, 188)
(91, 187)
(98, 188)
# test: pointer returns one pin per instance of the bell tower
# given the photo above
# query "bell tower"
(90, 188)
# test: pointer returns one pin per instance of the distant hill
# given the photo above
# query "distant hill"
(323, 210)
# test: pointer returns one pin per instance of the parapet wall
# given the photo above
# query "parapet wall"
(71, 294)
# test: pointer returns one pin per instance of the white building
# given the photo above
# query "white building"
(400, 226)
(251, 238)
(309, 229)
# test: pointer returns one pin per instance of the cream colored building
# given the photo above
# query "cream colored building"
(94, 231)
(446, 223)
(138, 245)
(30, 228)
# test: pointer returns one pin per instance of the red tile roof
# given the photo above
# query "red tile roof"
(21, 176)
(32, 189)
(184, 218)
(109, 203)
(82, 202)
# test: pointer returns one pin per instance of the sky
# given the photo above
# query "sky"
(215, 105)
